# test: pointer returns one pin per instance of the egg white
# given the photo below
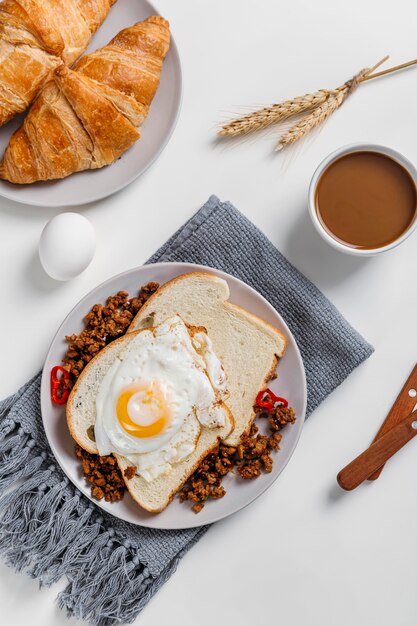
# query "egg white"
(181, 445)
(165, 354)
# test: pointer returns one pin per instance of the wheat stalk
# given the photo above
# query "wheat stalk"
(321, 113)
(317, 107)
(262, 118)
(313, 119)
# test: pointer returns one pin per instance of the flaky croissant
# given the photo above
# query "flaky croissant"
(36, 36)
(87, 117)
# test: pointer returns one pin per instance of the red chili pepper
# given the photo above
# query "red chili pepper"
(266, 399)
(59, 392)
(264, 404)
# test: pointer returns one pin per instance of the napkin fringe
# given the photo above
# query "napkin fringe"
(49, 531)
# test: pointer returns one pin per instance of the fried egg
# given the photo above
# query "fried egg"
(157, 395)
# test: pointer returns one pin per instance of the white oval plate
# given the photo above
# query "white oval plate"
(292, 385)
(93, 185)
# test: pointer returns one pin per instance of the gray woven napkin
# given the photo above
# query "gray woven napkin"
(50, 530)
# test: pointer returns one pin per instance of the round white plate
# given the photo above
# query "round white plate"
(93, 185)
(292, 385)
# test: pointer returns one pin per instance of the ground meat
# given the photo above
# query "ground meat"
(281, 417)
(130, 471)
(250, 458)
(103, 474)
(103, 324)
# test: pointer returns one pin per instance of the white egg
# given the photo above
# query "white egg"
(154, 399)
(67, 245)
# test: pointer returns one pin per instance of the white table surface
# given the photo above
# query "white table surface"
(304, 553)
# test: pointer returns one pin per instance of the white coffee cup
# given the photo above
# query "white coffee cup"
(358, 147)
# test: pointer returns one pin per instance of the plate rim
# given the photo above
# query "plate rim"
(44, 389)
(65, 204)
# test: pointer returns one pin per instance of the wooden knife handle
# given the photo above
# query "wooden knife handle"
(378, 453)
(402, 406)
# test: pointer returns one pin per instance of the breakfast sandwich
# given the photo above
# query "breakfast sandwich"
(155, 399)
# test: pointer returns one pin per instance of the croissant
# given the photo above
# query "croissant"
(36, 36)
(87, 117)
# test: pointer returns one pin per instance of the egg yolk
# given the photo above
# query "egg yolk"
(142, 410)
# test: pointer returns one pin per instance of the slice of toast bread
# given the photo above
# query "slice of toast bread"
(247, 346)
(156, 494)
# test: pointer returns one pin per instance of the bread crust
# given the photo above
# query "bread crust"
(84, 373)
(230, 305)
(253, 415)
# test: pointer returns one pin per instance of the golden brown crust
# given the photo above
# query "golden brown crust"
(36, 36)
(131, 63)
(86, 119)
(109, 131)
(34, 17)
